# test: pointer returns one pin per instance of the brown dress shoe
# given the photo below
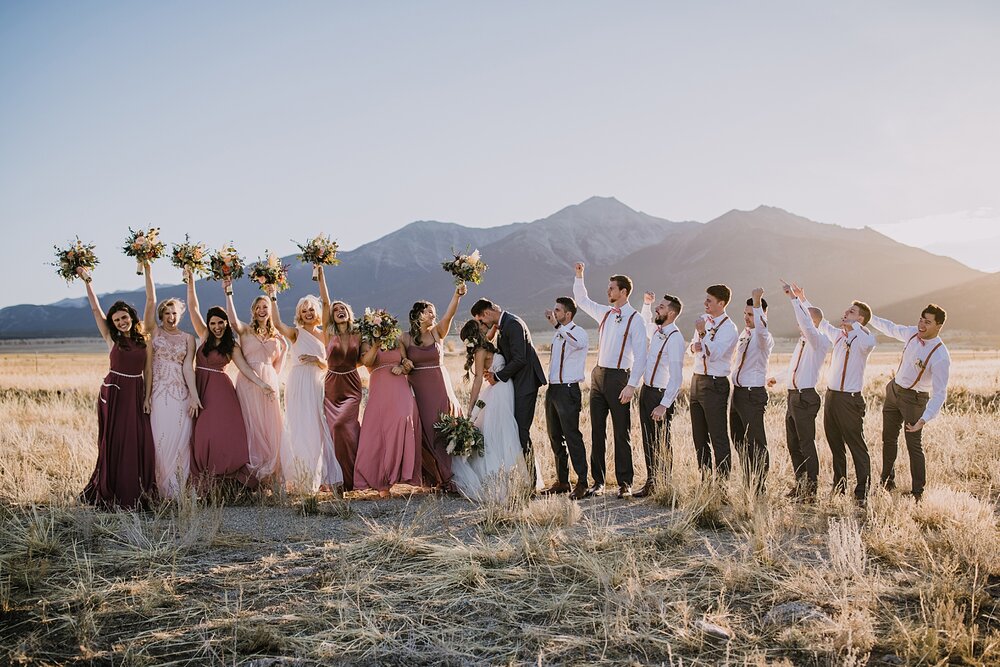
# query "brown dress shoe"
(580, 491)
(645, 491)
(556, 489)
(624, 491)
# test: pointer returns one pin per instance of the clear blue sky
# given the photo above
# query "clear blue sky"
(266, 121)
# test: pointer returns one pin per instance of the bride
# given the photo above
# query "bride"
(501, 470)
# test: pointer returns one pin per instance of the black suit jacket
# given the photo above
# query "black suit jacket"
(522, 365)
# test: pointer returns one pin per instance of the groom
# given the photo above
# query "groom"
(522, 367)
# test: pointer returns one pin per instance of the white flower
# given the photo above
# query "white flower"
(474, 257)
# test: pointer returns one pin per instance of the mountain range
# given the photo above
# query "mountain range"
(531, 264)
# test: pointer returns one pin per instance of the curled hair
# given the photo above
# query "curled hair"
(308, 298)
(267, 328)
(418, 308)
(331, 326)
(226, 343)
(474, 338)
(135, 333)
(172, 301)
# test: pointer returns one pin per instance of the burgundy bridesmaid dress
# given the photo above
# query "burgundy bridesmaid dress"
(342, 400)
(125, 474)
(219, 446)
(389, 445)
(434, 394)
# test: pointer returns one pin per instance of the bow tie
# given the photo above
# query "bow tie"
(711, 320)
(921, 341)
(659, 330)
(747, 332)
(616, 310)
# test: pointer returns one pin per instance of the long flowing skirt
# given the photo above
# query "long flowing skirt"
(172, 427)
(307, 458)
(263, 420)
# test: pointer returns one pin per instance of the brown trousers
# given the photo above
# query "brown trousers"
(843, 421)
(903, 406)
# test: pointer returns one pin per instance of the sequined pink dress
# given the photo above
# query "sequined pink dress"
(169, 413)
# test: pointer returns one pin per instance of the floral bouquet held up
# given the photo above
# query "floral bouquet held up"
(378, 327)
(464, 439)
(320, 250)
(225, 263)
(80, 255)
(189, 257)
(269, 272)
(466, 268)
(144, 245)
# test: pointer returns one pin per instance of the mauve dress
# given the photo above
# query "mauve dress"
(219, 442)
(434, 394)
(125, 474)
(389, 445)
(262, 416)
(342, 401)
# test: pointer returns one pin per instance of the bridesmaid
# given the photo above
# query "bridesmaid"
(307, 453)
(389, 445)
(342, 403)
(264, 350)
(424, 345)
(125, 474)
(175, 397)
(219, 441)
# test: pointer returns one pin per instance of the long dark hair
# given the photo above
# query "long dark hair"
(135, 334)
(418, 308)
(227, 342)
(474, 340)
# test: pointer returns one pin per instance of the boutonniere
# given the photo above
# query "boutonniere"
(618, 318)
(920, 364)
(663, 335)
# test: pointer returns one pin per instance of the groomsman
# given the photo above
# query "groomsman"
(803, 402)
(621, 351)
(712, 346)
(746, 416)
(661, 383)
(563, 399)
(915, 395)
(844, 413)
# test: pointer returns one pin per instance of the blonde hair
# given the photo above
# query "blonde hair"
(172, 301)
(331, 326)
(268, 326)
(308, 298)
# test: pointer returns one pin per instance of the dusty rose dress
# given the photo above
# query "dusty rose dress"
(219, 442)
(262, 416)
(125, 474)
(389, 445)
(169, 416)
(342, 401)
(434, 394)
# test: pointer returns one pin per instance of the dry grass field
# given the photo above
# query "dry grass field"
(696, 575)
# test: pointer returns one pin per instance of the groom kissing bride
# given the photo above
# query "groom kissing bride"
(512, 377)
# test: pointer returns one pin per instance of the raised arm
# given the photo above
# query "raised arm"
(234, 319)
(288, 332)
(479, 365)
(324, 292)
(241, 363)
(646, 313)
(194, 308)
(444, 326)
(893, 330)
(806, 326)
(95, 307)
(583, 300)
(149, 313)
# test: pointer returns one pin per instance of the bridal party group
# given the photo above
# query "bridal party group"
(171, 419)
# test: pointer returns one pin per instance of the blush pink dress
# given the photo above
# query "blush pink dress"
(262, 416)
(169, 416)
(389, 445)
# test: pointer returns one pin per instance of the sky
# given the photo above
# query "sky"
(263, 122)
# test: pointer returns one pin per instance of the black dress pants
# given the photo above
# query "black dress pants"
(709, 424)
(605, 387)
(903, 406)
(746, 422)
(562, 418)
(843, 421)
(800, 436)
(655, 435)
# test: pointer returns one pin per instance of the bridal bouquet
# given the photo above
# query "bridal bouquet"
(466, 268)
(463, 438)
(144, 245)
(189, 256)
(225, 263)
(320, 250)
(379, 327)
(80, 255)
(269, 272)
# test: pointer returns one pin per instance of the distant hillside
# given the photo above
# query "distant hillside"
(531, 264)
(971, 306)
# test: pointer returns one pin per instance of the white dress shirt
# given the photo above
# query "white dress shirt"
(753, 350)
(850, 356)
(622, 341)
(924, 366)
(664, 367)
(717, 346)
(809, 354)
(569, 354)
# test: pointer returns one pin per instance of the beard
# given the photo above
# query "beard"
(658, 320)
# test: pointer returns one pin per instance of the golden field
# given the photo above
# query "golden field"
(696, 575)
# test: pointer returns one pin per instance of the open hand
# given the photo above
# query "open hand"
(659, 413)
(626, 396)
(147, 405)
(194, 406)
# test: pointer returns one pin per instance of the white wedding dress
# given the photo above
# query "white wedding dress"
(501, 469)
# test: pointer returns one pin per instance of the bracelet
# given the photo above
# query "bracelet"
(229, 293)
(274, 299)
